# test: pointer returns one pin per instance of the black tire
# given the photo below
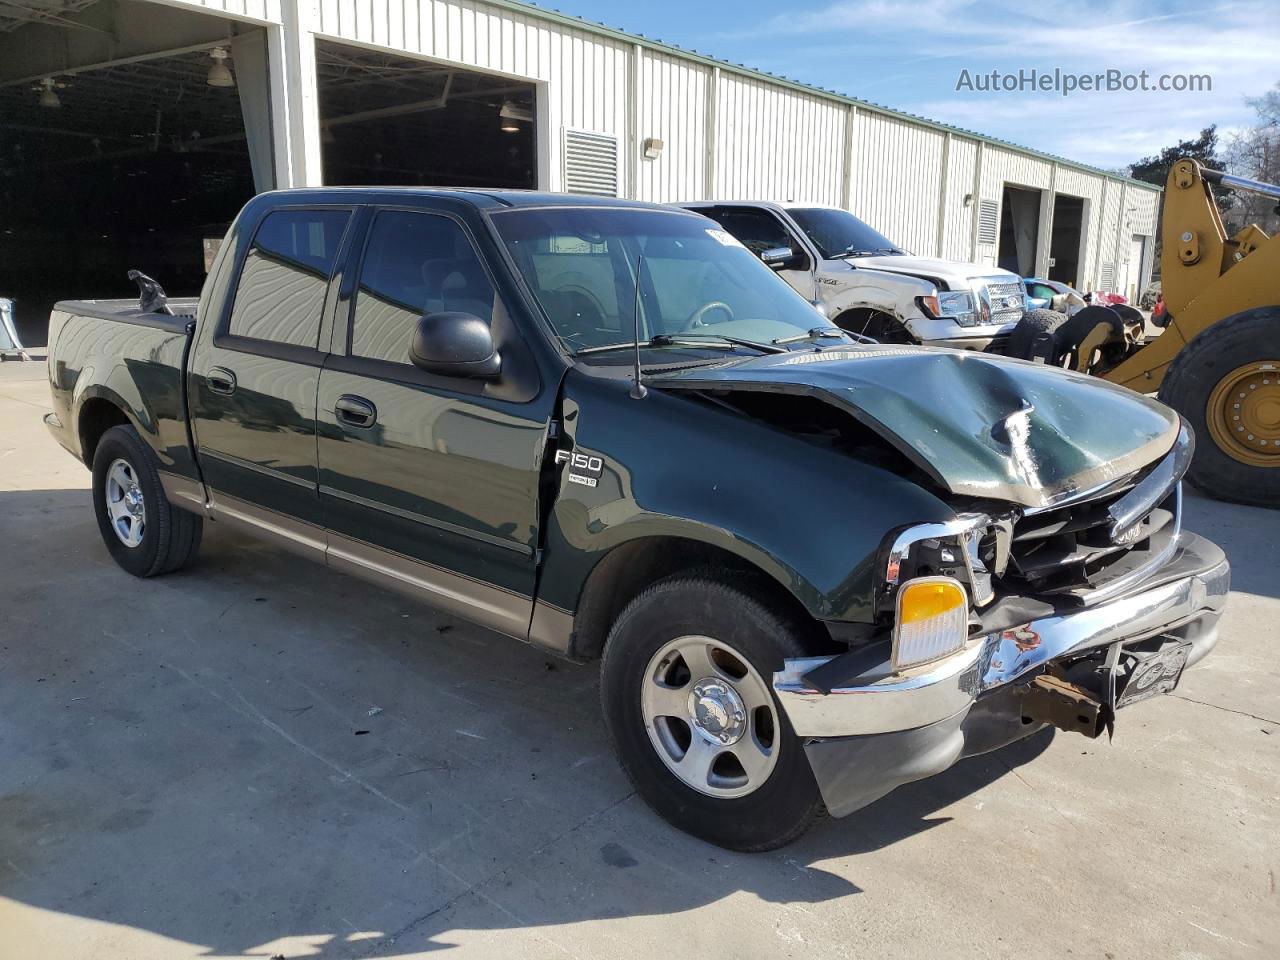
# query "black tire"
(170, 537)
(880, 327)
(1032, 324)
(1229, 344)
(787, 803)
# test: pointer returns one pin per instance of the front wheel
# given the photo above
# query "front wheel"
(144, 533)
(685, 689)
(1226, 382)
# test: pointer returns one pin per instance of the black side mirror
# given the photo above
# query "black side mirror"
(780, 258)
(455, 345)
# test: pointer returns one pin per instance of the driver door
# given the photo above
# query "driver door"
(430, 483)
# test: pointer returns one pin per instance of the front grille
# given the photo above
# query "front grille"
(1003, 301)
(1074, 551)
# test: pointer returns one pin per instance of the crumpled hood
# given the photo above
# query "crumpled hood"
(980, 425)
(956, 275)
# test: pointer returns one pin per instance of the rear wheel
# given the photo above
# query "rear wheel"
(686, 693)
(1226, 382)
(143, 532)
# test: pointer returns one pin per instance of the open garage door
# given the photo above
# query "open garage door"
(387, 119)
(1019, 230)
(1065, 249)
(119, 162)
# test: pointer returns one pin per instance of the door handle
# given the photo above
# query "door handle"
(355, 411)
(221, 380)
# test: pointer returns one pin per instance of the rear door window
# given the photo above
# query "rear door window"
(280, 294)
(414, 263)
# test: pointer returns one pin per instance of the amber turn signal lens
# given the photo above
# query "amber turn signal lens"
(932, 621)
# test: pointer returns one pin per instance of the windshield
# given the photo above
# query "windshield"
(838, 233)
(696, 281)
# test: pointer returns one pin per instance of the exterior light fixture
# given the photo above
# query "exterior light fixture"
(968, 199)
(49, 98)
(652, 148)
(219, 72)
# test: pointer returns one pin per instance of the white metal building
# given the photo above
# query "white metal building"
(498, 92)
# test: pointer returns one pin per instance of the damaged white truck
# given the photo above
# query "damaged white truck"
(868, 285)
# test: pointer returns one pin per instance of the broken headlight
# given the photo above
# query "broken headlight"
(972, 549)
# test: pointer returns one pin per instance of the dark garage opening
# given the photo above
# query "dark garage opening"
(387, 119)
(1019, 230)
(1064, 244)
(131, 165)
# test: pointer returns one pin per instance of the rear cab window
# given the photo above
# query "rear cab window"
(282, 284)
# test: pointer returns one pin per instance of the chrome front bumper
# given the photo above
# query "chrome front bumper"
(880, 729)
(1192, 586)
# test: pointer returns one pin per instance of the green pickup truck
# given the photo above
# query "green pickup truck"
(814, 567)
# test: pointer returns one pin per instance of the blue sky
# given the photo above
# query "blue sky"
(909, 55)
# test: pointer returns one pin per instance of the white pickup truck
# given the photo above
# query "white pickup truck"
(869, 285)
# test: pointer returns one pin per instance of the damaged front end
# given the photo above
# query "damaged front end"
(1075, 611)
(1063, 589)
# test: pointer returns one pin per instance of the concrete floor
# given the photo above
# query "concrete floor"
(257, 757)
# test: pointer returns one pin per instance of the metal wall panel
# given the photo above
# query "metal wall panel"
(773, 143)
(957, 236)
(673, 109)
(265, 10)
(897, 180)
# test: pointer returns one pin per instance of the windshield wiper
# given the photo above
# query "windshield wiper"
(817, 333)
(889, 251)
(663, 339)
(714, 340)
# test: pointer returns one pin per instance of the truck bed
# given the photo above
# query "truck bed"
(107, 356)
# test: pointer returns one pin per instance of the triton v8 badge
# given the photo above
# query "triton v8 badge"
(583, 468)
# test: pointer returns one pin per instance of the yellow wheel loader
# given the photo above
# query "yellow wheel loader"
(1217, 361)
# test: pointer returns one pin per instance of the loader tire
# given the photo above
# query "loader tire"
(1226, 382)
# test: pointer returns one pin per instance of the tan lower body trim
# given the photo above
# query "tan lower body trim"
(290, 533)
(551, 627)
(486, 605)
(478, 602)
(182, 491)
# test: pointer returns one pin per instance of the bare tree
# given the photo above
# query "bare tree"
(1255, 153)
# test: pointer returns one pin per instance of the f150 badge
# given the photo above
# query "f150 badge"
(583, 468)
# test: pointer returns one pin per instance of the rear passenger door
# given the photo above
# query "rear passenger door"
(429, 482)
(256, 368)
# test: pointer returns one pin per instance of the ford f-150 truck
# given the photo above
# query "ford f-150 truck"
(813, 567)
(869, 285)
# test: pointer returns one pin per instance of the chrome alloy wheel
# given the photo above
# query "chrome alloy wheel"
(710, 716)
(125, 504)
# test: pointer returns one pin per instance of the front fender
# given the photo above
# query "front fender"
(673, 466)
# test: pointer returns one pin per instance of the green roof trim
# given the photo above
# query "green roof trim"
(671, 49)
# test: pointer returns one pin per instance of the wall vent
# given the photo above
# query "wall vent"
(988, 221)
(1108, 281)
(590, 163)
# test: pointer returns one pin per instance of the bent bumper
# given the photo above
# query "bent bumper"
(897, 727)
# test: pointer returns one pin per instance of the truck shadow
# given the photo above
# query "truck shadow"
(258, 756)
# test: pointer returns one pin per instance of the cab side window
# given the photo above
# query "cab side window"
(280, 293)
(757, 230)
(414, 264)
